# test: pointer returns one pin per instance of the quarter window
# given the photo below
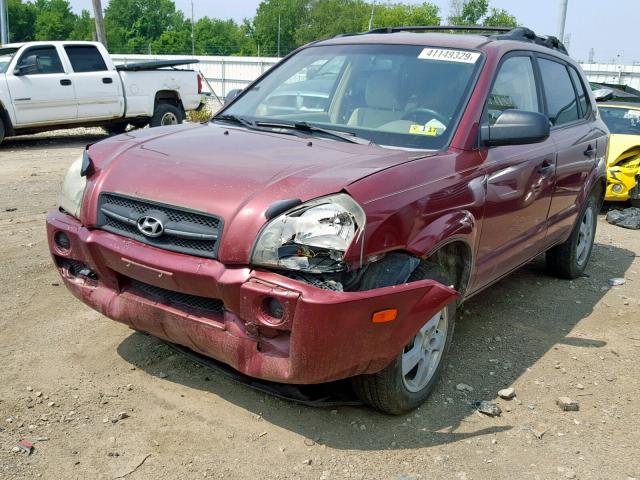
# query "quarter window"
(85, 58)
(585, 105)
(561, 97)
(514, 88)
(45, 59)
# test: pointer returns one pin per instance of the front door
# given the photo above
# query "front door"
(520, 179)
(42, 92)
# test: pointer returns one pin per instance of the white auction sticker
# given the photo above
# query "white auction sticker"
(447, 55)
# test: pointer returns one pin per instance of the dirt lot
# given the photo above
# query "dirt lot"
(66, 372)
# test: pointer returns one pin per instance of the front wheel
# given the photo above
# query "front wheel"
(407, 382)
(166, 114)
(569, 259)
(1, 130)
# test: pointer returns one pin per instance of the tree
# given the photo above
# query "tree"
(54, 20)
(84, 27)
(500, 18)
(476, 12)
(292, 15)
(22, 18)
(402, 14)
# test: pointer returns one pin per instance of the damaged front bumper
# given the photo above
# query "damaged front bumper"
(262, 324)
(623, 182)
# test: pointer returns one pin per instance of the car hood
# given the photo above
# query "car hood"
(230, 172)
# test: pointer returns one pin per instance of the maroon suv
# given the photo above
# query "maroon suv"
(327, 222)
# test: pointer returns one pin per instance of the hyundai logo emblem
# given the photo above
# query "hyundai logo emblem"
(150, 226)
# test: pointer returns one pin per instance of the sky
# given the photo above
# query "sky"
(590, 23)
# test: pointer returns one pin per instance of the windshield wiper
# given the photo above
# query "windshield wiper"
(236, 119)
(308, 128)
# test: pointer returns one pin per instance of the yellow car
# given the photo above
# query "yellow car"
(623, 158)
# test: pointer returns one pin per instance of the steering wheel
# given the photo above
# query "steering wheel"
(423, 115)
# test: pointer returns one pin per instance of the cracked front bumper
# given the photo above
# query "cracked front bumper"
(319, 336)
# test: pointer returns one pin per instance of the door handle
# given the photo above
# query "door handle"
(107, 80)
(65, 82)
(546, 167)
(590, 151)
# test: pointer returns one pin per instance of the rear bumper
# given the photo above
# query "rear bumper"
(321, 336)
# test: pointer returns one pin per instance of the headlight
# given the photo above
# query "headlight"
(73, 189)
(312, 237)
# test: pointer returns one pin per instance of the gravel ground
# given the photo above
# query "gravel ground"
(69, 376)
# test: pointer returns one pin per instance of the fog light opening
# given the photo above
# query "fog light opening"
(62, 241)
(274, 308)
(617, 188)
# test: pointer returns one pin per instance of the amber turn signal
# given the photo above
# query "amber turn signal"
(385, 316)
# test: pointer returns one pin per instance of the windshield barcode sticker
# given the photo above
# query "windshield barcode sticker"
(449, 55)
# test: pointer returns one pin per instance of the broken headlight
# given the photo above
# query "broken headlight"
(312, 237)
(73, 189)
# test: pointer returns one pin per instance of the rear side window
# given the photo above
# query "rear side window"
(85, 58)
(45, 59)
(561, 97)
(585, 105)
(514, 88)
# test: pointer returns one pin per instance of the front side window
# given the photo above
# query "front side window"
(620, 120)
(85, 58)
(393, 95)
(562, 105)
(514, 88)
(41, 60)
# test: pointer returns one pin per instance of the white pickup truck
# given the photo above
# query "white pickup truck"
(50, 85)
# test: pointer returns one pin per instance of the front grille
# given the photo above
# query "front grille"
(177, 299)
(186, 231)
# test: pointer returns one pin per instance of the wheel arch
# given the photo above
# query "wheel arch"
(171, 97)
(6, 120)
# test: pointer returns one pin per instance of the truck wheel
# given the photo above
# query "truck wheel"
(569, 259)
(407, 382)
(116, 128)
(166, 114)
(1, 130)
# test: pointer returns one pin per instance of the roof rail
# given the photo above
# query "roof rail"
(521, 34)
(440, 28)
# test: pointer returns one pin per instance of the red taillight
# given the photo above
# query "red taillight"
(199, 83)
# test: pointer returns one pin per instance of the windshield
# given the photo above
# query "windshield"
(621, 120)
(6, 54)
(394, 95)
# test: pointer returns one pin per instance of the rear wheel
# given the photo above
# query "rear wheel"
(407, 382)
(166, 114)
(569, 259)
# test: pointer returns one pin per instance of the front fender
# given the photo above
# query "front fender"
(454, 226)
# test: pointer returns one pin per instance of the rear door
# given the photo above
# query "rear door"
(98, 89)
(575, 136)
(520, 178)
(46, 93)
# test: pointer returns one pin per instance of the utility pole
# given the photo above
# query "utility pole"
(373, 6)
(4, 23)
(278, 35)
(97, 11)
(193, 36)
(562, 20)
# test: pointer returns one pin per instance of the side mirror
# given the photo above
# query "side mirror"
(232, 95)
(28, 66)
(516, 127)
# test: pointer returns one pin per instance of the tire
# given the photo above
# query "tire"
(635, 202)
(569, 259)
(2, 132)
(116, 128)
(389, 390)
(166, 114)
